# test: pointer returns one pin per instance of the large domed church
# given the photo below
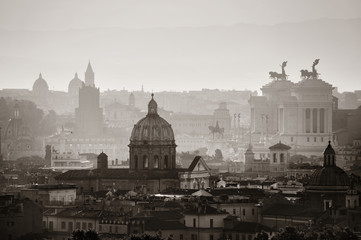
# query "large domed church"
(152, 161)
(152, 144)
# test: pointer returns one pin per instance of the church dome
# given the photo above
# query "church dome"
(330, 174)
(152, 128)
(75, 84)
(40, 84)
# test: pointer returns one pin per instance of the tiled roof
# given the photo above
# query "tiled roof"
(280, 209)
(205, 210)
(250, 227)
(119, 174)
(164, 225)
(162, 215)
(280, 146)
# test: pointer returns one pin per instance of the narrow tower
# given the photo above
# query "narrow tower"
(89, 76)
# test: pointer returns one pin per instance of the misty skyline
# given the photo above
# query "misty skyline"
(178, 45)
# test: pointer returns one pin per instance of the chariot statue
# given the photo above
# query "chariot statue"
(279, 76)
(305, 74)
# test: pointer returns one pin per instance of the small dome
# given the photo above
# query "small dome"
(75, 84)
(329, 176)
(152, 127)
(40, 84)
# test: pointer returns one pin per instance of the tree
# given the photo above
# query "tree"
(261, 236)
(144, 237)
(82, 235)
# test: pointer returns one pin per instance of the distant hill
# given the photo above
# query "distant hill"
(238, 56)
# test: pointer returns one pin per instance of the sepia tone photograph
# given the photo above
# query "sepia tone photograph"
(180, 120)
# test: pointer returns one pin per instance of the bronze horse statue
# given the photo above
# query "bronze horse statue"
(218, 130)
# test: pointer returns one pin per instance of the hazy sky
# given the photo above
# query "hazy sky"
(48, 16)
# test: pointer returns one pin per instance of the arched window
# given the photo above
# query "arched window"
(166, 163)
(135, 161)
(145, 161)
(156, 161)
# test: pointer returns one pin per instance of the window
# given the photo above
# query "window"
(166, 164)
(116, 229)
(291, 139)
(194, 222)
(77, 225)
(70, 226)
(211, 237)
(63, 225)
(282, 157)
(145, 161)
(244, 211)
(83, 226)
(181, 237)
(314, 139)
(44, 224)
(308, 139)
(110, 229)
(275, 157)
(156, 162)
(252, 211)
(234, 211)
(211, 223)
(90, 226)
(51, 226)
(100, 228)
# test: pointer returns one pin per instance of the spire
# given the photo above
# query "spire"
(40, 76)
(89, 68)
(89, 76)
(76, 75)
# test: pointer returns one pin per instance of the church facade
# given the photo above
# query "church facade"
(152, 154)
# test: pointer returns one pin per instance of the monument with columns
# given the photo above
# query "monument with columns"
(298, 114)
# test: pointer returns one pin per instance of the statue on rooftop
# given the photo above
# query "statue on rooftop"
(279, 76)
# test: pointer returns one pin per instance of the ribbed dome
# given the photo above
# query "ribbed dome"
(329, 176)
(152, 128)
(40, 84)
(75, 84)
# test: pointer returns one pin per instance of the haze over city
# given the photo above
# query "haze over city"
(192, 44)
(180, 120)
